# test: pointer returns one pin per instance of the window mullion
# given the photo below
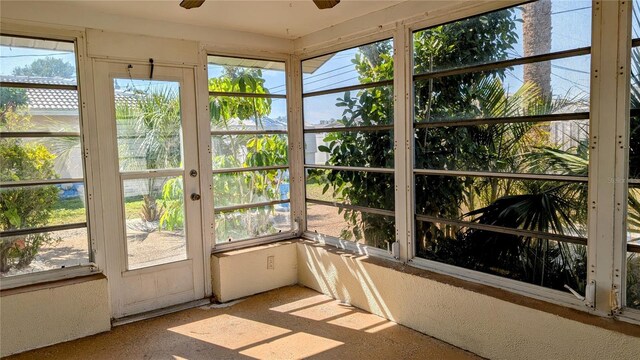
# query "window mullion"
(621, 145)
(403, 131)
(296, 145)
(603, 143)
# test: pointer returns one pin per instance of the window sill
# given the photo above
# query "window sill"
(624, 326)
(243, 244)
(47, 279)
(349, 246)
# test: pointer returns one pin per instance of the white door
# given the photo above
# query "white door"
(149, 165)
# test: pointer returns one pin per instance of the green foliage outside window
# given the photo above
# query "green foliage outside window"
(516, 147)
(242, 151)
(151, 125)
(47, 67)
(24, 207)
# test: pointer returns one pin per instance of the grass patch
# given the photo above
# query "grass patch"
(314, 191)
(69, 211)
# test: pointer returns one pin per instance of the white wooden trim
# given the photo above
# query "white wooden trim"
(296, 145)
(11, 282)
(602, 150)
(90, 178)
(621, 145)
(348, 43)
(629, 315)
(401, 121)
(379, 25)
(244, 53)
(145, 174)
(445, 15)
(205, 166)
(28, 29)
(407, 93)
(261, 240)
(348, 245)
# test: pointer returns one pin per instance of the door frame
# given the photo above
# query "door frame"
(114, 247)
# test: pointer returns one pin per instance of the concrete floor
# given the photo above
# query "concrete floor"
(288, 323)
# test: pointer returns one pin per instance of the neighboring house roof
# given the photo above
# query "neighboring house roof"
(267, 123)
(56, 99)
(38, 80)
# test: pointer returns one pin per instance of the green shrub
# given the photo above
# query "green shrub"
(25, 207)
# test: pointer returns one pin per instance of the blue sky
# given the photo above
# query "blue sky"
(571, 28)
(571, 24)
(12, 57)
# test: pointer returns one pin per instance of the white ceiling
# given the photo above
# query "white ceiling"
(284, 19)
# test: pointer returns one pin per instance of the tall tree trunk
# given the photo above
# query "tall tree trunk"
(536, 31)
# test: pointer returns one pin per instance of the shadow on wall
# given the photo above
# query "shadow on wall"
(358, 285)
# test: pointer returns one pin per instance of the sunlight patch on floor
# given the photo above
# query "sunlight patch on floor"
(229, 331)
(322, 312)
(302, 303)
(296, 346)
(383, 326)
(358, 321)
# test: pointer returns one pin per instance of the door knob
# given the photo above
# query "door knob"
(195, 197)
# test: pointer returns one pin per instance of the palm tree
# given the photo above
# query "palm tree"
(536, 31)
(149, 137)
(541, 206)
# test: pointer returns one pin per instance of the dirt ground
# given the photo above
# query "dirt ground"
(145, 247)
(325, 220)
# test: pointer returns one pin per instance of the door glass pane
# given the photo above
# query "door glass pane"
(148, 124)
(154, 220)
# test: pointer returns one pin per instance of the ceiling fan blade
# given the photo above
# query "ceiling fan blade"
(326, 4)
(190, 4)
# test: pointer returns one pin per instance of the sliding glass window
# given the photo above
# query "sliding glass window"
(348, 144)
(501, 131)
(249, 146)
(43, 207)
(633, 209)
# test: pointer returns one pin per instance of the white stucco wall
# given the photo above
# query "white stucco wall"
(240, 273)
(47, 316)
(482, 324)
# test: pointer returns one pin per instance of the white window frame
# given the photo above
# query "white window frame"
(87, 142)
(360, 249)
(622, 134)
(530, 290)
(208, 214)
(606, 58)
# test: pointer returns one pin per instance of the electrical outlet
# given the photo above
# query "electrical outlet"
(270, 262)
